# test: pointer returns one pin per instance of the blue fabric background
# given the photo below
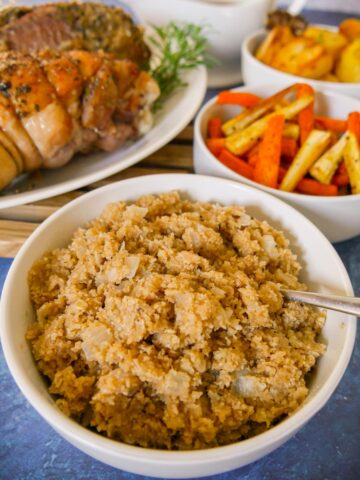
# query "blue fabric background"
(327, 448)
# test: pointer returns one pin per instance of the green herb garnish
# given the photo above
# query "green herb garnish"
(177, 48)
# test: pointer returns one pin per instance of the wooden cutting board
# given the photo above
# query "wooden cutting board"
(17, 223)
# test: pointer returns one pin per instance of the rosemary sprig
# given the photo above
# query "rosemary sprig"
(177, 48)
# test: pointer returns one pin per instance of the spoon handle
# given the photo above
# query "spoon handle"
(339, 303)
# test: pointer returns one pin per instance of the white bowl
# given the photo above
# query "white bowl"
(255, 72)
(323, 270)
(337, 217)
(227, 26)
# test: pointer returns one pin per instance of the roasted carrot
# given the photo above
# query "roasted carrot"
(289, 147)
(313, 187)
(341, 177)
(252, 161)
(306, 116)
(214, 128)
(253, 154)
(282, 173)
(333, 124)
(236, 164)
(267, 166)
(238, 98)
(342, 168)
(215, 145)
(353, 124)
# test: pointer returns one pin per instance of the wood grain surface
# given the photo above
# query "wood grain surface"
(17, 223)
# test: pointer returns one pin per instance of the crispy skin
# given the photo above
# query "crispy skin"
(99, 102)
(36, 104)
(9, 145)
(8, 168)
(65, 76)
(13, 128)
(67, 26)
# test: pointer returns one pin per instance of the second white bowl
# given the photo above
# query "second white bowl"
(337, 217)
(255, 72)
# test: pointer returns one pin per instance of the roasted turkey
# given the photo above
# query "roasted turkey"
(55, 104)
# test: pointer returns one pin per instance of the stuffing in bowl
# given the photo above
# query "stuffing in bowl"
(167, 306)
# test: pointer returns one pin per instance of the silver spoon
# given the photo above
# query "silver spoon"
(338, 303)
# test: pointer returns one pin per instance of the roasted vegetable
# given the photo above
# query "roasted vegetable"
(306, 116)
(348, 68)
(333, 42)
(242, 141)
(291, 130)
(248, 116)
(268, 163)
(305, 58)
(352, 161)
(350, 28)
(310, 151)
(281, 142)
(236, 164)
(325, 167)
(316, 53)
(274, 41)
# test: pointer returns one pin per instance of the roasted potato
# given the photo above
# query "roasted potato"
(348, 67)
(350, 28)
(275, 39)
(332, 41)
(317, 53)
(329, 77)
(304, 58)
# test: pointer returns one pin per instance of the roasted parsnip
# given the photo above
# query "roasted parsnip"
(310, 151)
(325, 167)
(352, 161)
(249, 116)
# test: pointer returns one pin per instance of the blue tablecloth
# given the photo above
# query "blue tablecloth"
(327, 448)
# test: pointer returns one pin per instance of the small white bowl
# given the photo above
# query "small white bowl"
(337, 217)
(323, 271)
(255, 72)
(227, 26)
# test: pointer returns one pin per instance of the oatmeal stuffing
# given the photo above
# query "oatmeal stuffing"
(162, 324)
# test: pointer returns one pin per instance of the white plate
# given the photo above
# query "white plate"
(82, 170)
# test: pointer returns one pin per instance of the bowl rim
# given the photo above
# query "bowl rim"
(79, 435)
(246, 52)
(198, 138)
(218, 6)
